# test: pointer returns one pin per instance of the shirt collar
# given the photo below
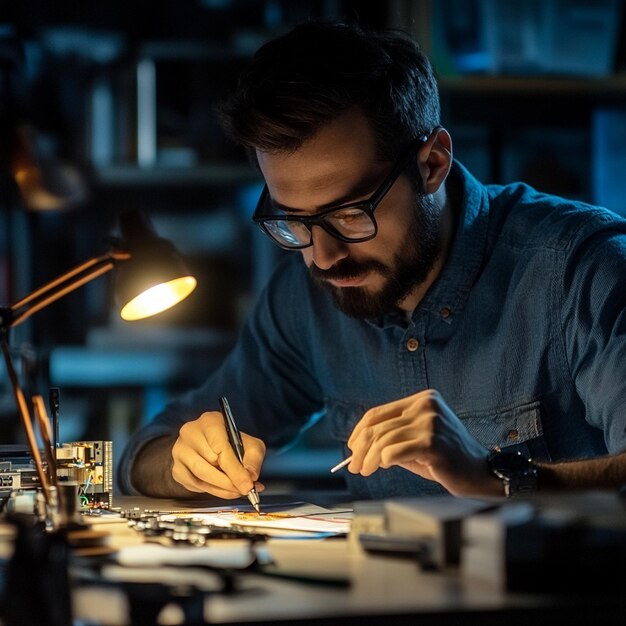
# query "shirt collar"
(448, 294)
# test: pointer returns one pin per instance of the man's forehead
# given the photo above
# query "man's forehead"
(319, 184)
(340, 160)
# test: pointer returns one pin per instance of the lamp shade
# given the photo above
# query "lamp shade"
(155, 278)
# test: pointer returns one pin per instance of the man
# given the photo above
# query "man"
(441, 325)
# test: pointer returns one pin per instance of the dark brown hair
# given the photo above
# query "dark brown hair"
(302, 80)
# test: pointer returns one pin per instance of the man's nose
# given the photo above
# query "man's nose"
(327, 250)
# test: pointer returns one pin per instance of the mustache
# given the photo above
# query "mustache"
(346, 268)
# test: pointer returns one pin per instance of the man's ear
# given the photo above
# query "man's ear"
(435, 159)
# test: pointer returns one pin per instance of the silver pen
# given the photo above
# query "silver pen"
(341, 464)
(237, 444)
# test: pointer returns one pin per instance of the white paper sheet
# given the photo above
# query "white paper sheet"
(298, 519)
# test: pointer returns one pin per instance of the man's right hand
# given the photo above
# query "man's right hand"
(204, 461)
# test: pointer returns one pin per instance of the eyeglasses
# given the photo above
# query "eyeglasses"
(351, 223)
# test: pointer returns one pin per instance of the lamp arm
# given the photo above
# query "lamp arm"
(61, 286)
(27, 421)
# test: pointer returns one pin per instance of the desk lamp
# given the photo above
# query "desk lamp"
(151, 278)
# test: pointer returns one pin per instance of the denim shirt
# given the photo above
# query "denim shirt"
(523, 333)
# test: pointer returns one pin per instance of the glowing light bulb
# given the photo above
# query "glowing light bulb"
(158, 298)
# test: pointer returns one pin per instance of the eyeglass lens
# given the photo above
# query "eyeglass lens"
(352, 223)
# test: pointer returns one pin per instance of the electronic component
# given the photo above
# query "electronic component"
(20, 478)
(90, 464)
(185, 529)
(17, 470)
(87, 463)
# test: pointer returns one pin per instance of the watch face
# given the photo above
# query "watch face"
(517, 472)
(510, 462)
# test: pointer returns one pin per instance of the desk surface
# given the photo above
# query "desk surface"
(381, 589)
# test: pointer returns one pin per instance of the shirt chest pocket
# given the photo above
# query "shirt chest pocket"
(343, 417)
(514, 428)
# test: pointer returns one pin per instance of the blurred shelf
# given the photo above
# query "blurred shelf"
(213, 175)
(530, 85)
(139, 358)
(505, 102)
(78, 367)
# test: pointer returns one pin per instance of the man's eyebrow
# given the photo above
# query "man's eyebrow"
(362, 191)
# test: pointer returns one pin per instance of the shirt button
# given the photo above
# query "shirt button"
(445, 312)
(512, 435)
(412, 344)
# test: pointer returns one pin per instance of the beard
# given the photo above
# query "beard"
(416, 256)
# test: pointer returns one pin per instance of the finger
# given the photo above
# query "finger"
(396, 440)
(217, 449)
(359, 446)
(194, 436)
(370, 418)
(205, 453)
(187, 457)
(425, 401)
(367, 446)
(379, 415)
(222, 474)
(239, 476)
(207, 474)
(199, 446)
(254, 455)
(204, 443)
(191, 482)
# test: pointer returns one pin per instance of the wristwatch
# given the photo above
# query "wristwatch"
(517, 472)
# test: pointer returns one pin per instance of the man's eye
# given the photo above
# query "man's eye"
(348, 216)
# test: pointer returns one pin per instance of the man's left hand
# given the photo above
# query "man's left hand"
(423, 435)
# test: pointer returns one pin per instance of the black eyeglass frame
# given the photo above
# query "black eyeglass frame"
(367, 206)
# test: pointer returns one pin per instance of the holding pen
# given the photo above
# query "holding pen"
(237, 444)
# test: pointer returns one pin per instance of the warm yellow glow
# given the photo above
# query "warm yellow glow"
(34, 192)
(158, 298)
